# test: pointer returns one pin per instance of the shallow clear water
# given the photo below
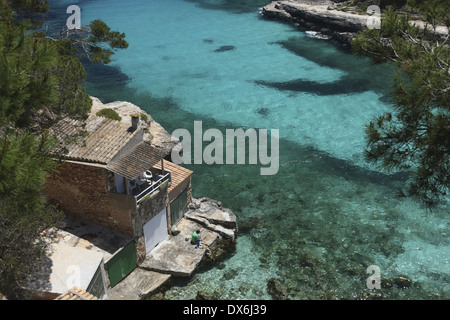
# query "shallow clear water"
(327, 215)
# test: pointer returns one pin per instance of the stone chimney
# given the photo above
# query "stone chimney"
(134, 121)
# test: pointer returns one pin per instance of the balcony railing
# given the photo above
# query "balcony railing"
(153, 187)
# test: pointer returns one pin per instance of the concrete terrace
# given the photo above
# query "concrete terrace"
(77, 243)
(86, 244)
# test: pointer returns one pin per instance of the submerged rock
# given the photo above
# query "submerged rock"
(263, 111)
(230, 274)
(225, 48)
(277, 289)
(372, 295)
(402, 282)
(252, 223)
(202, 295)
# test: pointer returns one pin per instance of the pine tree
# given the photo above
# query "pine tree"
(416, 136)
(41, 81)
(41, 77)
(25, 216)
(26, 83)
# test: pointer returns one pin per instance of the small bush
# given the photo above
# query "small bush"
(144, 117)
(397, 4)
(109, 113)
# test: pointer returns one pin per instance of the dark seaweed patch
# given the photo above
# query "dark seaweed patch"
(225, 48)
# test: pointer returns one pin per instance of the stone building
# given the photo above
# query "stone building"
(129, 211)
(112, 177)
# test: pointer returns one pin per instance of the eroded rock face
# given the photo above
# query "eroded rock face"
(318, 16)
(324, 17)
(213, 218)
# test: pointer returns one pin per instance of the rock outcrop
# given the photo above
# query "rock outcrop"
(177, 256)
(324, 17)
(318, 16)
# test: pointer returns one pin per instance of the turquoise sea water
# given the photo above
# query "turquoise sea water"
(326, 216)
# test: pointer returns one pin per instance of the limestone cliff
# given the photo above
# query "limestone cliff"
(320, 16)
(328, 18)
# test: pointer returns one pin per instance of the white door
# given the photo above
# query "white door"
(155, 230)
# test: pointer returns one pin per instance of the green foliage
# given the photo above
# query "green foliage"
(109, 113)
(421, 4)
(102, 34)
(38, 74)
(30, 12)
(29, 6)
(24, 213)
(26, 83)
(42, 72)
(41, 81)
(144, 117)
(416, 136)
(392, 3)
(73, 100)
(95, 41)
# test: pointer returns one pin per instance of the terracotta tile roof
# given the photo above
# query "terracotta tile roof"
(76, 294)
(106, 138)
(134, 163)
(179, 174)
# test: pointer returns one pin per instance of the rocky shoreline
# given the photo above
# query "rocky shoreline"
(323, 17)
(319, 16)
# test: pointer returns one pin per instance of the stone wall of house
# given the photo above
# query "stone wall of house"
(189, 192)
(147, 209)
(81, 190)
(186, 185)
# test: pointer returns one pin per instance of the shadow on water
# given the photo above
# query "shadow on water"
(167, 112)
(101, 75)
(330, 218)
(360, 74)
(344, 86)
